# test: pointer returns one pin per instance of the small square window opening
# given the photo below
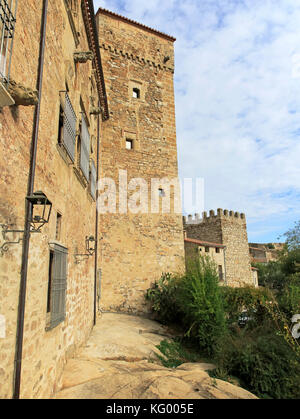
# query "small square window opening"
(161, 193)
(129, 144)
(136, 93)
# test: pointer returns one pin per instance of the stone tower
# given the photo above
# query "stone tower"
(137, 142)
(230, 229)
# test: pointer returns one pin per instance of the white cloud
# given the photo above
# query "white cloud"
(237, 98)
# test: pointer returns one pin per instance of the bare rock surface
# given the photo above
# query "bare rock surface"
(118, 362)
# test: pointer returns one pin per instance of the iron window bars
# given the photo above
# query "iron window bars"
(8, 10)
(57, 286)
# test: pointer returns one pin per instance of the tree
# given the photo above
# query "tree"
(293, 237)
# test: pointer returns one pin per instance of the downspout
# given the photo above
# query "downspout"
(28, 211)
(97, 219)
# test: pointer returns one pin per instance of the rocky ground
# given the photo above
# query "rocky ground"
(119, 362)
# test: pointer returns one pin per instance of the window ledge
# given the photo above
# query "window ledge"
(64, 155)
(5, 97)
(80, 177)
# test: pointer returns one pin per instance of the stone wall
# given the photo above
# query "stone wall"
(137, 248)
(230, 229)
(45, 352)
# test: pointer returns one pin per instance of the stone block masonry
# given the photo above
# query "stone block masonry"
(140, 138)
(230, 229)
(47, 346)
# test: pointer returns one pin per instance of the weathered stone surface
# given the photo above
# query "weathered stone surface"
(137, 247)
(45, 351)
(230, 229)
(22, 95)
(118, 363)
(83, 56)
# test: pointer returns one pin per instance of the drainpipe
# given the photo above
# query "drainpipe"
(28, 212)
(97, 219)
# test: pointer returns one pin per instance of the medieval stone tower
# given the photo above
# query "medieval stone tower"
(230, 229)
(138, 141)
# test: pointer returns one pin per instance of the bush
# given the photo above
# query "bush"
(194, 301)
(263, 362)
(163, 297)
(247, 299)
(201, 303)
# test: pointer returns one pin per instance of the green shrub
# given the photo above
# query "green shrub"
(201, 303)
(249, 299)
(263, 362)
(163, 297)
(175, 353)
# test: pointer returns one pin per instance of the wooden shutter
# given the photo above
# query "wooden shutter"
(69, 136)
(85, 149)
(93, 179)
(58, 285)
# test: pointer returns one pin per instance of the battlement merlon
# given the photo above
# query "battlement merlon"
(196, 219)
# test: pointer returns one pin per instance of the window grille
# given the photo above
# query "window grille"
(93, 179)
(57, 285)
(69, 128)
(8, 10)
(85, 149)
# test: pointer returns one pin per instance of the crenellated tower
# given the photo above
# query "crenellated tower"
(230, 229)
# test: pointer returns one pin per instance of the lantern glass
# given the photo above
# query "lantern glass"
(41, 210)
(90, 245)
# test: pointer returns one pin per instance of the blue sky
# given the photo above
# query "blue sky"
(237, 85)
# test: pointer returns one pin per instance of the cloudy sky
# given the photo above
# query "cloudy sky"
(237, 85)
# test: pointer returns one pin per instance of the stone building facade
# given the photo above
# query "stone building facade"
(215, 251)
(54, 89)
(229, 229)
(88, 97)
(139, 242)
(265, 253)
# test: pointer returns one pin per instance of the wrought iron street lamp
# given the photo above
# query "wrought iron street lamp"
(40, 215)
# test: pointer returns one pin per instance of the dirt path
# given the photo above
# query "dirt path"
(118, 362)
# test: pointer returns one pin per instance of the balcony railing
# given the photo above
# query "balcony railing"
(8, 10)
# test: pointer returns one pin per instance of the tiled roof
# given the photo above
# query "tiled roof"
(204, 243)
(133, 22)
(89, 17)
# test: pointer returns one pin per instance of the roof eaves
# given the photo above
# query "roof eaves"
(89, 16)
(133, 22)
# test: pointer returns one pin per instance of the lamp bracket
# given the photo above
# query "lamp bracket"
(6, 230)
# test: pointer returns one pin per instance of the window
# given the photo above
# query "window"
(161, 193)
(129, 144)
(8, 10)
(84, 162)
(136, 93)
(57, 286)
(67, 127)
(220, 273)
(93, 179)
(207, 250)
(58, 226)
(217, 250)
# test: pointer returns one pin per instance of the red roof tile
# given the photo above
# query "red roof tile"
(133, 22)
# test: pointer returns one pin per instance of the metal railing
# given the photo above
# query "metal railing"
(8, 10)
